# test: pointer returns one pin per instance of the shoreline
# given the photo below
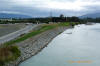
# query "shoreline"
(34, 45)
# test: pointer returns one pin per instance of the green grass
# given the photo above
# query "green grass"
(64, 24)
(9, 53)
(31, 34)
(42, 29)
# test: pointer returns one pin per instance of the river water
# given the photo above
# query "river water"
(74, 47)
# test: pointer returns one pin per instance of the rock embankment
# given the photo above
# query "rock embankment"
(33, 45)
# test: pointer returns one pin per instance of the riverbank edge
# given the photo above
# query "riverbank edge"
(35, 44)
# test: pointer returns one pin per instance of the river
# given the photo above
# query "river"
(79, 46)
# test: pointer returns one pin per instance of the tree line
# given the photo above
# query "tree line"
(61, 18)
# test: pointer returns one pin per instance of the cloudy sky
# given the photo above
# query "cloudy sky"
(37, 8)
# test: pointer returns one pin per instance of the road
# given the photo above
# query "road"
(16, 34)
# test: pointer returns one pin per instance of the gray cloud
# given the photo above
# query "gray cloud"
(43, 7)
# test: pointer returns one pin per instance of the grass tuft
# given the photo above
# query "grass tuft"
(9, 53)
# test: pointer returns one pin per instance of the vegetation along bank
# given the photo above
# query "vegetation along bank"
(15, 51)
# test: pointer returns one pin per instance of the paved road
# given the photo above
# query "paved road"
(14, 35)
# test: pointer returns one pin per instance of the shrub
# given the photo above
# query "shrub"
(9, 53)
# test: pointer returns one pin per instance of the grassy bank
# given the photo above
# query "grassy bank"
(42, 29)
(13, 51)
(9, 53)
(33, 33)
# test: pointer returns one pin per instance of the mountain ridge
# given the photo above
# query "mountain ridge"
(92, 15)
(6, 15)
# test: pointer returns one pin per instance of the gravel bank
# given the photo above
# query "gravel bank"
(33, 45)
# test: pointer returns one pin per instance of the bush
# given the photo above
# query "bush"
(9, 53)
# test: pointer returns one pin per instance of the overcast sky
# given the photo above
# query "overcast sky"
(44, 7)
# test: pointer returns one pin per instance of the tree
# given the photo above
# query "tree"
(61, 16)
(73, 19)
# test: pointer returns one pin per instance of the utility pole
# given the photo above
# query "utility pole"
(51, 16)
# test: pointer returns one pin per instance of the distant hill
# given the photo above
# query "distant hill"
(5, 15)
(93, 15)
